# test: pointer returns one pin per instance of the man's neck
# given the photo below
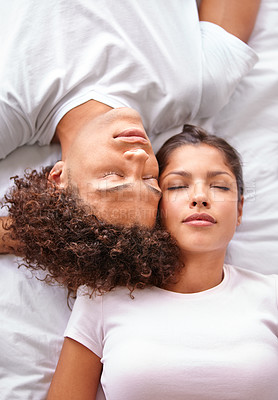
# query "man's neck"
(74, 120)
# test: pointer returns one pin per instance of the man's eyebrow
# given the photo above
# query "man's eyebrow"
(125, 186)
(113, 189)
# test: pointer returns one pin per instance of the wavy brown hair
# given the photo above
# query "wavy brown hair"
(62, 236)
(195, 135)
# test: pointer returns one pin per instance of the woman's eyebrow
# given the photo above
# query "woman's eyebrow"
(212, 174)
(181, 173)
(186, 174)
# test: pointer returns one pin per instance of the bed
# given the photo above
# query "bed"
(33, 315)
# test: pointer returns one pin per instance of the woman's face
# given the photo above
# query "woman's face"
(199, 205)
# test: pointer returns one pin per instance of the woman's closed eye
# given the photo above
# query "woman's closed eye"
(177, 187)
(220, 187)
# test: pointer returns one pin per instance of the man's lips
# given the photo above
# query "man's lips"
(132, 135)
(199, 219)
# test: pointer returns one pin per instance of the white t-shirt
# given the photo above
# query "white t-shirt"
(219, 344)
(154, 57)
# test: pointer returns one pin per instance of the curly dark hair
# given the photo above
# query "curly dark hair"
(60, 234)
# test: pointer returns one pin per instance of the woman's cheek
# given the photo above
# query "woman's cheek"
(164, 209)
(168, 210)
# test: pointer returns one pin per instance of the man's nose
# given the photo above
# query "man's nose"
(137, 159)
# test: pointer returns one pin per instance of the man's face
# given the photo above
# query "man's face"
(112, 164)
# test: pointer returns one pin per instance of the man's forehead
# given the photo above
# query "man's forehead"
(127, 213)
(124, 204)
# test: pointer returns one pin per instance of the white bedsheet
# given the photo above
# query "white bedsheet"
(33, 315)
(250, 123)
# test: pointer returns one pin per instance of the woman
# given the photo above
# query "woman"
(206, 334)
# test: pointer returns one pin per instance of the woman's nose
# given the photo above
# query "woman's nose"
(199, 197)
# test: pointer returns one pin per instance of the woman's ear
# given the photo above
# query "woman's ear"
(239, 212)
(56, 175)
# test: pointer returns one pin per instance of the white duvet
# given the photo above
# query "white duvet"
(33, 315)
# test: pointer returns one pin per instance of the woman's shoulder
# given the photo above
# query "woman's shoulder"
(253, 279)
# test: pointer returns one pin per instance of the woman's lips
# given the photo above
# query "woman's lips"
(201, 219)
(133, 135)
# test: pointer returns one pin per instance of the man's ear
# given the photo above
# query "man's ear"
(239, 212)
(57, 174)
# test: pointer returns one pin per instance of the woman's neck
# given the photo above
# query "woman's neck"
(201, 272)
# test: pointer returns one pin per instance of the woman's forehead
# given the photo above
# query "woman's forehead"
(201, 154)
